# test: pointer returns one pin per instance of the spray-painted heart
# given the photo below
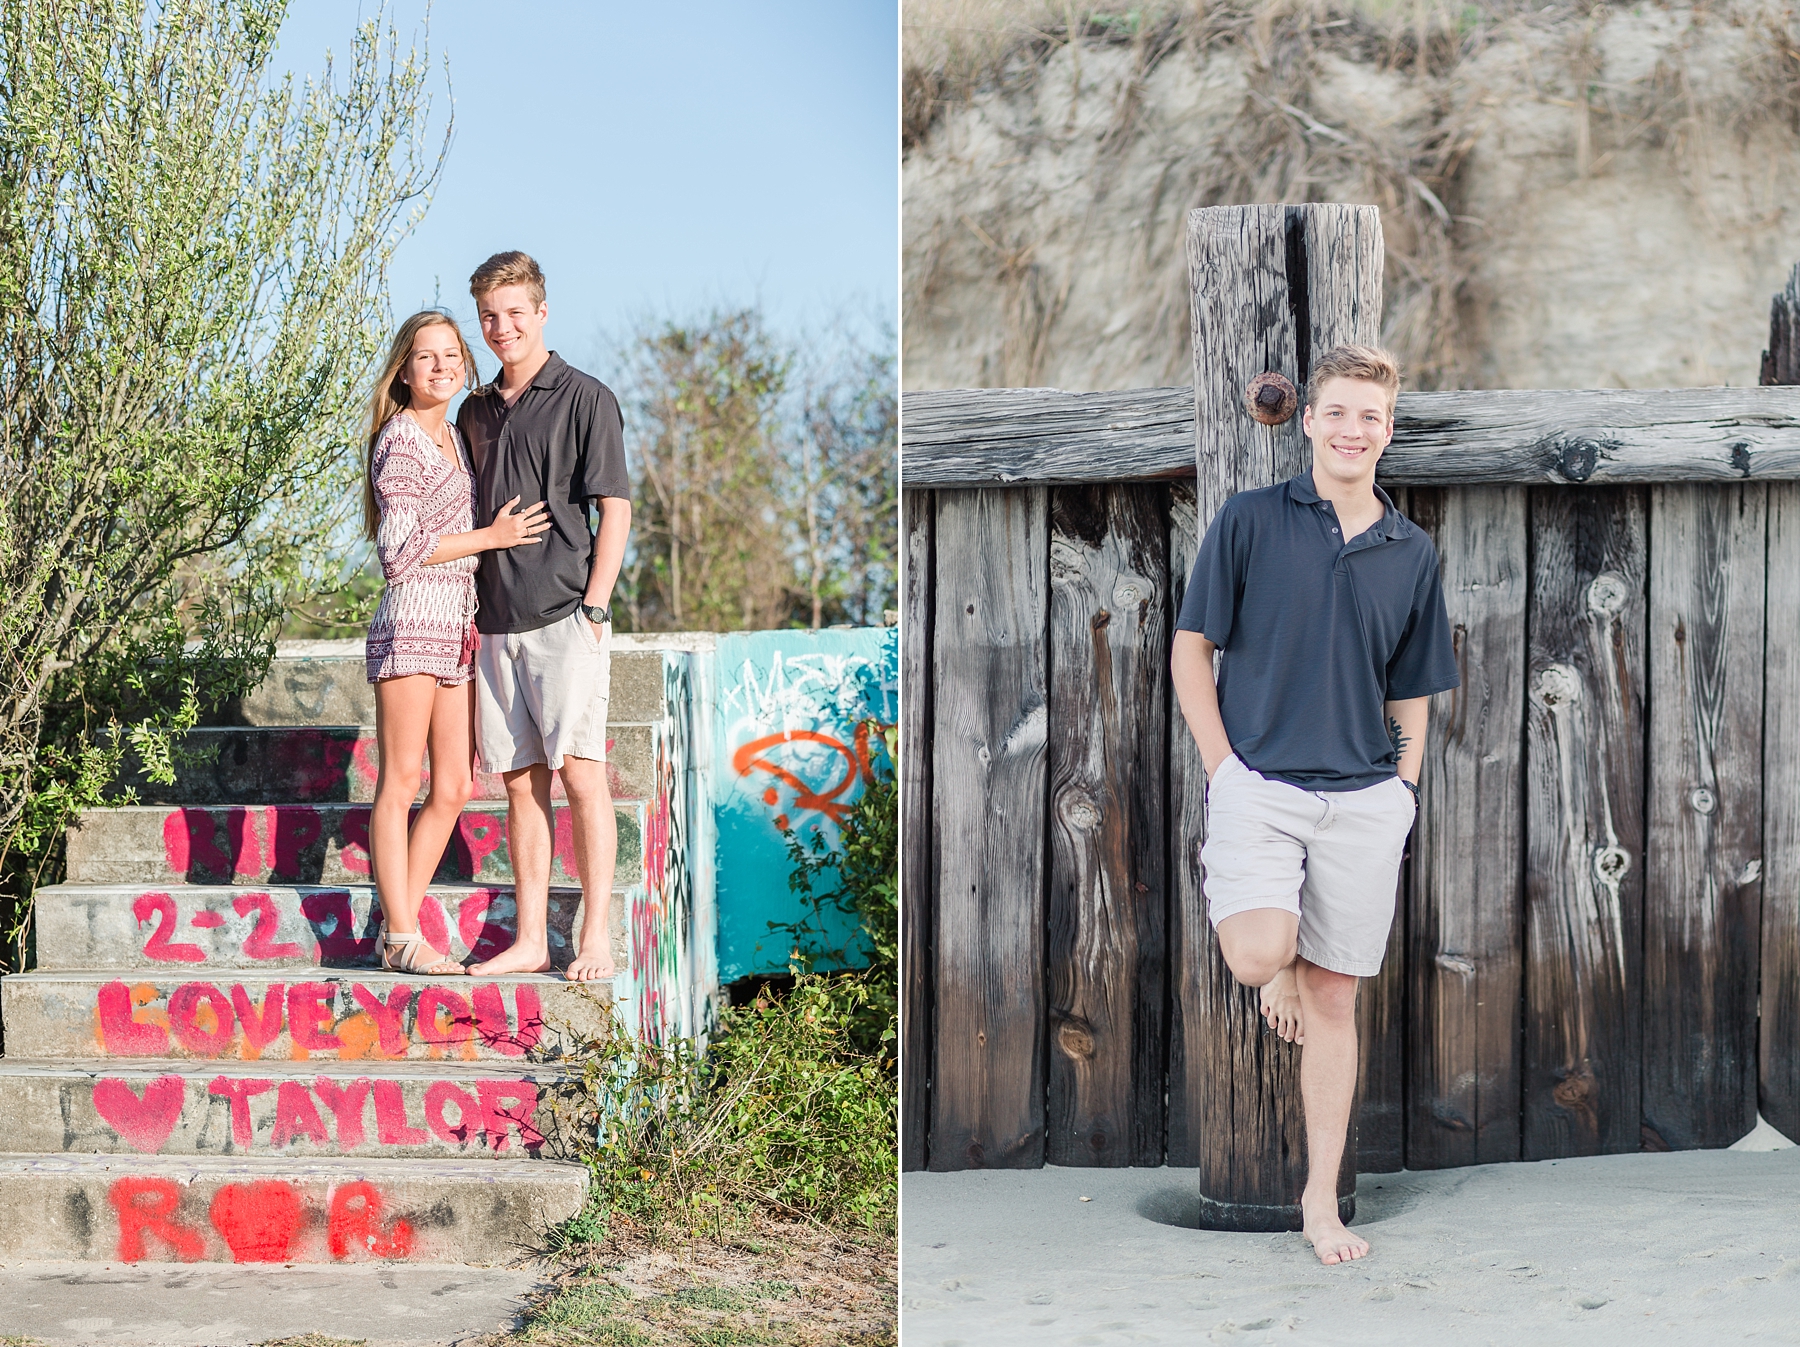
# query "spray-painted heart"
(258, 1220)
(144, 1123)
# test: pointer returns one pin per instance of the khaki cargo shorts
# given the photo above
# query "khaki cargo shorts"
(541, 695)
(1330, 857)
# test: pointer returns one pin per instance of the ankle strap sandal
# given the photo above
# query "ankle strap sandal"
(407, 952)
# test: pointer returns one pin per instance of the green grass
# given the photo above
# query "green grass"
(590, 1309)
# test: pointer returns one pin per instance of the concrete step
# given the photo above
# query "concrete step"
(102, 1208)
(325, 764)
(172, 1107)
(299, 1014)
(327, 683)
(224, 926)
(301, 844)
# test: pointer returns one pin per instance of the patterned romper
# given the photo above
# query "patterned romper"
(426, 617)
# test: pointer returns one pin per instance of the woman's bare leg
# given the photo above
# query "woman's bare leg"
(403, 716)
(452, 783)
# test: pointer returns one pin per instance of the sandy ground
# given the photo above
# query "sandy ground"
(212, 1305)
(1701, 1247)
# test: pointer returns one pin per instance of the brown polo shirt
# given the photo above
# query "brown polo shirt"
(562, 442)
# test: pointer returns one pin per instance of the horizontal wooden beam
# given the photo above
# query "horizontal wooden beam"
(995, 436)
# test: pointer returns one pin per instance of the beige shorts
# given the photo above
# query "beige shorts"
(1332, 858)
(541, 695)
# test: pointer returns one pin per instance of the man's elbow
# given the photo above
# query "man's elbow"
(1189, 650)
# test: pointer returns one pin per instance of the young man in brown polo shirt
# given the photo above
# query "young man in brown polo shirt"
(543, 430)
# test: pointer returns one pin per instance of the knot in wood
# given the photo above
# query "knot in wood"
(1075, 1038)
(1078, 811)
(1556, 685)
(1572, 1090)
(1610, 865)
(1607, 593)
(1127, 594)
(1703, 800)
(1270, 398)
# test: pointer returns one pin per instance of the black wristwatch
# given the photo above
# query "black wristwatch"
(595, 613)
(1409, 785)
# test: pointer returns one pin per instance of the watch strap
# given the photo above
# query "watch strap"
(594, 612)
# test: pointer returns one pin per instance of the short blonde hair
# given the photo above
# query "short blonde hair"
(1370, 364)
(510, 268)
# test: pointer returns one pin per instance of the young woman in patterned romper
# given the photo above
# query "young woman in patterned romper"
(418, 507)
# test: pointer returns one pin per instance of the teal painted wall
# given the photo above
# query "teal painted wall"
(786, 705)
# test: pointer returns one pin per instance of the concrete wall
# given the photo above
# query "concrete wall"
(788, 754)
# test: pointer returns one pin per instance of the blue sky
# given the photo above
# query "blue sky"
(657, 159)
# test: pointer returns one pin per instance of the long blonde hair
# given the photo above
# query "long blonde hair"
(391, 394)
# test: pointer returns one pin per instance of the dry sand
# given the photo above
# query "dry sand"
(1700, 1247)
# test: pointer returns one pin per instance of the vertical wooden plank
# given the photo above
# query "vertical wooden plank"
(916, 970)
(1381, 1032)
(1584, 870)
(1464, 918)
(1779, 1037)
(987, 765)
(1263, 285)
(1703, 886)
(1108, 722)
(1189, 938)
(1381, 1049)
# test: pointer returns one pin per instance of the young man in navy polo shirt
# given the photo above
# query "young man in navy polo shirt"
(1325, 607)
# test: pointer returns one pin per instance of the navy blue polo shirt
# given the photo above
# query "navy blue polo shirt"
(1316, 633)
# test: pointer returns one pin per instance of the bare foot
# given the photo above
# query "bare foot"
(1331, 1239)
(1281, 1006)
(518, 959)
(595, 967)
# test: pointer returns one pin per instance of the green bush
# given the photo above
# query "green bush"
(860, 877)
(793, 1108)
(193, 259)
(782, 1114)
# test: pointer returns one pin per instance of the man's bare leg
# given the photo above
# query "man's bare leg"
(529, 826)
(1258, 945)
(1327, 1089)
(596, 854)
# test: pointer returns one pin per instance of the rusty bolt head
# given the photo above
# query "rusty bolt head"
(1270, 398)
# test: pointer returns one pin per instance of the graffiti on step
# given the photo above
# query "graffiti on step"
(796, 753)
(303, 843)
(347, 1020)
(317, 765)
(270, 1221)
(335, 928)
(331, 1112)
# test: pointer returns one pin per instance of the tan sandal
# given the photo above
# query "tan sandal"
(413, 952)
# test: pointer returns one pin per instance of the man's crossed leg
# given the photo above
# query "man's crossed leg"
(1259, 945)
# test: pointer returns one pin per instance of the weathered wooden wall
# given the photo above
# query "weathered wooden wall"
(1606, 864)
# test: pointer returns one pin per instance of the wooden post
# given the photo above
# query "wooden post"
(1778, 1039)
(1463, 923)
(1778, 1043)
(1109, 684)
(989, 725)
(1703, 885)
(1584, 876)
(915, 860)
(1271, 286)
